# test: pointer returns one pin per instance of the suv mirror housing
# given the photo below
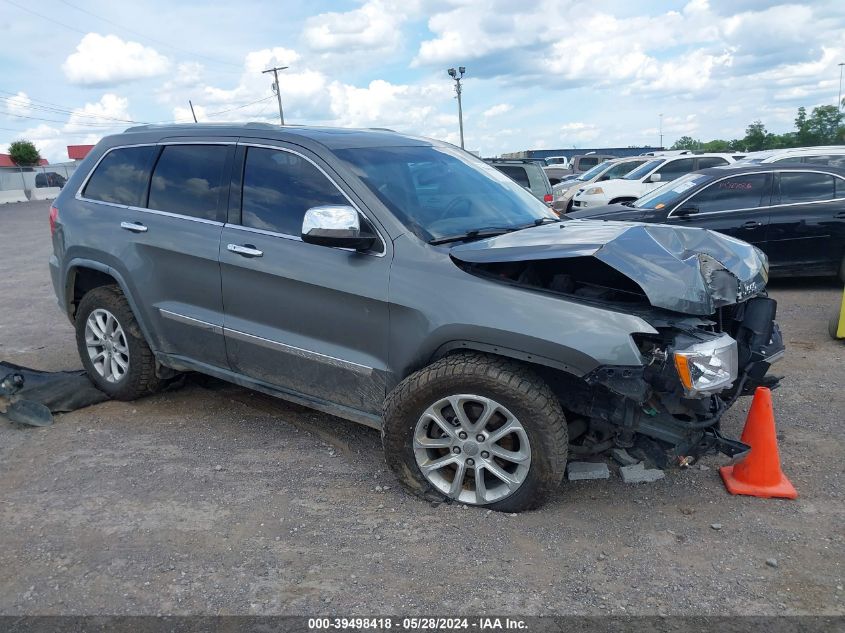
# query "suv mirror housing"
(335, 225)
(654, 178)
(686, 211)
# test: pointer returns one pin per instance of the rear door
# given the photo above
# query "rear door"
(808, 221)
(312, 320)
(164, 235)
(737, 206)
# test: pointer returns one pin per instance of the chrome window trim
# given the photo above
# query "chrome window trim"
(765, 206)
(186, 320)
(298, 238)
(298, 351)
(170, 214)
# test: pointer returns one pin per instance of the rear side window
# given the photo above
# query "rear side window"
(279, 187)
(588, 163)
(796, 187)
(188, 179)
(711, 161)
(676, 168)
(739, 192)
(515, 172)
(834, 160)
(122, 176)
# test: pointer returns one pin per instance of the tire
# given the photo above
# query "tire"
(472, 381)
(133, 373)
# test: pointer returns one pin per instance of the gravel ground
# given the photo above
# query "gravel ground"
(212, 499)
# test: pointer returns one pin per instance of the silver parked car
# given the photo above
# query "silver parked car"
(405, 284)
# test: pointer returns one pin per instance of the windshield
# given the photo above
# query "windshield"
(442, 191)
(667, 194)
(595, 171)
(643, 169)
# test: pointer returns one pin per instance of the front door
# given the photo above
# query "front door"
(312, 320)
(737, 206)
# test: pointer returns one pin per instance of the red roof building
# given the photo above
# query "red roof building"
(78, 152)
(6, 161)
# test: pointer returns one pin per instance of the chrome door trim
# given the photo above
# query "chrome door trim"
(298, 351)
(336, 186)
(186, 320)
(768, 206)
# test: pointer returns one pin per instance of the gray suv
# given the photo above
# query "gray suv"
(405, 284)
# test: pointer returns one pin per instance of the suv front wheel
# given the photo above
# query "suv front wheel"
(112, 347)
(479, 430)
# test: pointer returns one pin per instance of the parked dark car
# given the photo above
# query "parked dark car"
(407, 285)
(49, 179)
(793, 213)
(528, 172)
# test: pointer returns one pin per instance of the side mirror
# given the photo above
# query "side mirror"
(686, 211)
(338, 226)
(654, 178)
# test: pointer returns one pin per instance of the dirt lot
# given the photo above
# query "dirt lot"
(213, 499)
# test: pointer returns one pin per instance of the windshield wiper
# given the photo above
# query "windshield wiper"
(469, 235)
(490, 232)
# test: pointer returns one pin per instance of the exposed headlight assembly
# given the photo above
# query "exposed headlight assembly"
(706, 368)
(592, 191)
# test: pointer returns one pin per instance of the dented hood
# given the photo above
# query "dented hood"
(684, 269)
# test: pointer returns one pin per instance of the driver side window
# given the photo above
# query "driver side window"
(675, 169)
(739, 192)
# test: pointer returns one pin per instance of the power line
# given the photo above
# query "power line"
(240, 106)
(44, 17)
(147, 37)
(58, 110)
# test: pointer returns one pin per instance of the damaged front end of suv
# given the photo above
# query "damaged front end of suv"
(713, 339)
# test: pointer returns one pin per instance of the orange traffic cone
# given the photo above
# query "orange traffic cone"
(759, 474)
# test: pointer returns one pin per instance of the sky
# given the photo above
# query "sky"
(540, 74)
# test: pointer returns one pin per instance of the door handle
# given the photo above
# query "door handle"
(247, 250)
(751, 224)
(135, 227)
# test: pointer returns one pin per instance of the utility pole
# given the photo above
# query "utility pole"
(457, 77)
(661, 131)
(839, 100)
(275, 88)
(192, 110)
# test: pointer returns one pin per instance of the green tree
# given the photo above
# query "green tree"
(686, 142)
(24, 153)
(755, 137)
(803, 135)
(824, 123)
(717, 145)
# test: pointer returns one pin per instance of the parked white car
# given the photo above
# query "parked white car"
(651, 174)
(833, 155)
(609, 170)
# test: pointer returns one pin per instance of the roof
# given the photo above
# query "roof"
(332, 138)
(721, 170)
(6, 161)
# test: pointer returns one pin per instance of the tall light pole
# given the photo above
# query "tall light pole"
(275, 88)
(661, 131)
(839, 100)
(457, 77)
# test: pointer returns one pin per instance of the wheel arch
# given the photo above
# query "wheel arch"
(84, 275)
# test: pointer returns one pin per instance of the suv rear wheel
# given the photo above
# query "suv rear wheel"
(112, 347)
(478, 430)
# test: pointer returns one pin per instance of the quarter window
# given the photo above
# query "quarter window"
(122, 176)
(517, 173)
(796, 187)
(675, 169)
(739, 192)
(188, 179)
(279, 187)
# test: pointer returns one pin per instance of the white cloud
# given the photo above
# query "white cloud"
(103, 60)
(497, 110)
(18, 104)
(373, 28)
(579, 132)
